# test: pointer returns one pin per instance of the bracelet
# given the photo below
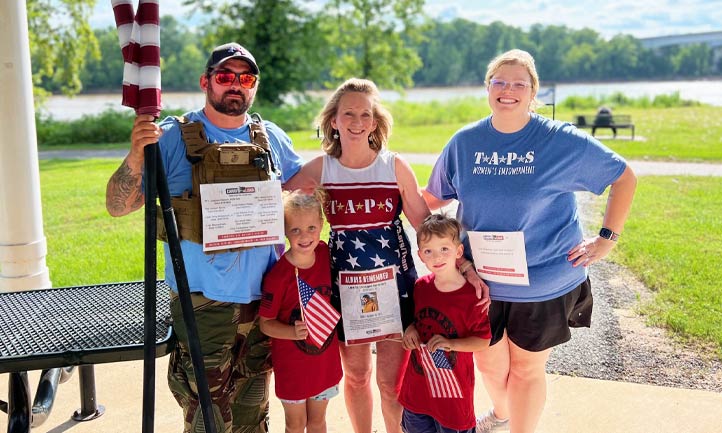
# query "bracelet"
(465, 267)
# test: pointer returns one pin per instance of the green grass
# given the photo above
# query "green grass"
(668, 134)
(85, 146)
(673, 242)
(664, 134)
(85, 244)
(415, 139)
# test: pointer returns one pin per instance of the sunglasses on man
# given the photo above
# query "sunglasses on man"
(227, 78)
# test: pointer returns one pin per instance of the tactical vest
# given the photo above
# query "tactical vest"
(216, 163)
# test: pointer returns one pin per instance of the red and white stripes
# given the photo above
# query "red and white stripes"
(439, 374)
(139, 37)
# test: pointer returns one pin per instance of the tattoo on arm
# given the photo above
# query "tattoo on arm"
(124, 192)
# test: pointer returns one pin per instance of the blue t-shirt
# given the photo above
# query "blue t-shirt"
(525, 181)
(225, 277)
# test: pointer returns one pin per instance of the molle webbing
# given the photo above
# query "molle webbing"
(194, 137)
(216, 163)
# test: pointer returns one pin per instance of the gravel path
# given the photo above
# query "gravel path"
(619, 345)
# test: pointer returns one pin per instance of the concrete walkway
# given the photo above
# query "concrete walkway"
(641, 168)
(574, 405)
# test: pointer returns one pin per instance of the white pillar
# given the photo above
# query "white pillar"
(22, 242)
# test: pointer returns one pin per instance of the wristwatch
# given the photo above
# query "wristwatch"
(608, 234)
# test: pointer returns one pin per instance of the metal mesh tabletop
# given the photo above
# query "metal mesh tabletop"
(78, 325)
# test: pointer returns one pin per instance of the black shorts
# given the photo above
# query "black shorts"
(536, 326)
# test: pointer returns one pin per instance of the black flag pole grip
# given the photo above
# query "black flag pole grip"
(204, 395)
(150, 289)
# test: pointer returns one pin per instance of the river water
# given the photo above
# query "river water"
(707, 91)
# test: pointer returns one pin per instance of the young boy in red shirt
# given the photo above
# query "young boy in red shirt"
(438, 389)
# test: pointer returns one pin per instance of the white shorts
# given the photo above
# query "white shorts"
(328, 394)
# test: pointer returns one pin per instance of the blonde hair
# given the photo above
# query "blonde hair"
(298, 200)
(520, 58)
(440, 226)
(377, 139)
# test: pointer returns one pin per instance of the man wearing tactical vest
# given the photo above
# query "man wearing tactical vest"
(218, 143)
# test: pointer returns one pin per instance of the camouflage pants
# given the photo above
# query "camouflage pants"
(237, 365)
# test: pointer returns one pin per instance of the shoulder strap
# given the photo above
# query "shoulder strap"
(194, 138)
(259, 137)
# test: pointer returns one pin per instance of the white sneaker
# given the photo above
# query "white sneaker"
(489, 423)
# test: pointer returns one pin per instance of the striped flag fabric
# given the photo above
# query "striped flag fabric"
(320, 316)
(139, 37)
(439, 374)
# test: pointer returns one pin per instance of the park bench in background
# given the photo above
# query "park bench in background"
(73, 326)
(613, 122)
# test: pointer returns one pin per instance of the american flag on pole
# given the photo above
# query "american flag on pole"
(139, 37)
(439, 374)
(318, 313)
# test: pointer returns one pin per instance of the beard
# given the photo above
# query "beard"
(229, 106)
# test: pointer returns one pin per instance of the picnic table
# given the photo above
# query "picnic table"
(611, 121)
(74, 326)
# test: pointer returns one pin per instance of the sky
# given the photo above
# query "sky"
(639, 18)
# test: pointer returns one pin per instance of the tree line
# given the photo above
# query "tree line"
(458, 51)
(389, 41)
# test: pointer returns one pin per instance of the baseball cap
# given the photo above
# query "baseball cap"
(231, 50)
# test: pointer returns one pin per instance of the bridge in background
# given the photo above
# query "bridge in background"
(712, 39)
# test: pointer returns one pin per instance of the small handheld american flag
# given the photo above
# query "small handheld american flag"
(318, 313)
(439, 374)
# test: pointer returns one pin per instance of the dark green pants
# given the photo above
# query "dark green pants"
(237, 365)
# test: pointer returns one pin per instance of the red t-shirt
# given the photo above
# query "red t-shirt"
(302, 370)
(453, 315)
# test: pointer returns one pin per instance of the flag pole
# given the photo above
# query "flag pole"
(139, 38)
(150, 290)
(298, 290)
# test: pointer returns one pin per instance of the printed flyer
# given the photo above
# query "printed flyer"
(370, 305)
(500, 256)
(241, 214)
